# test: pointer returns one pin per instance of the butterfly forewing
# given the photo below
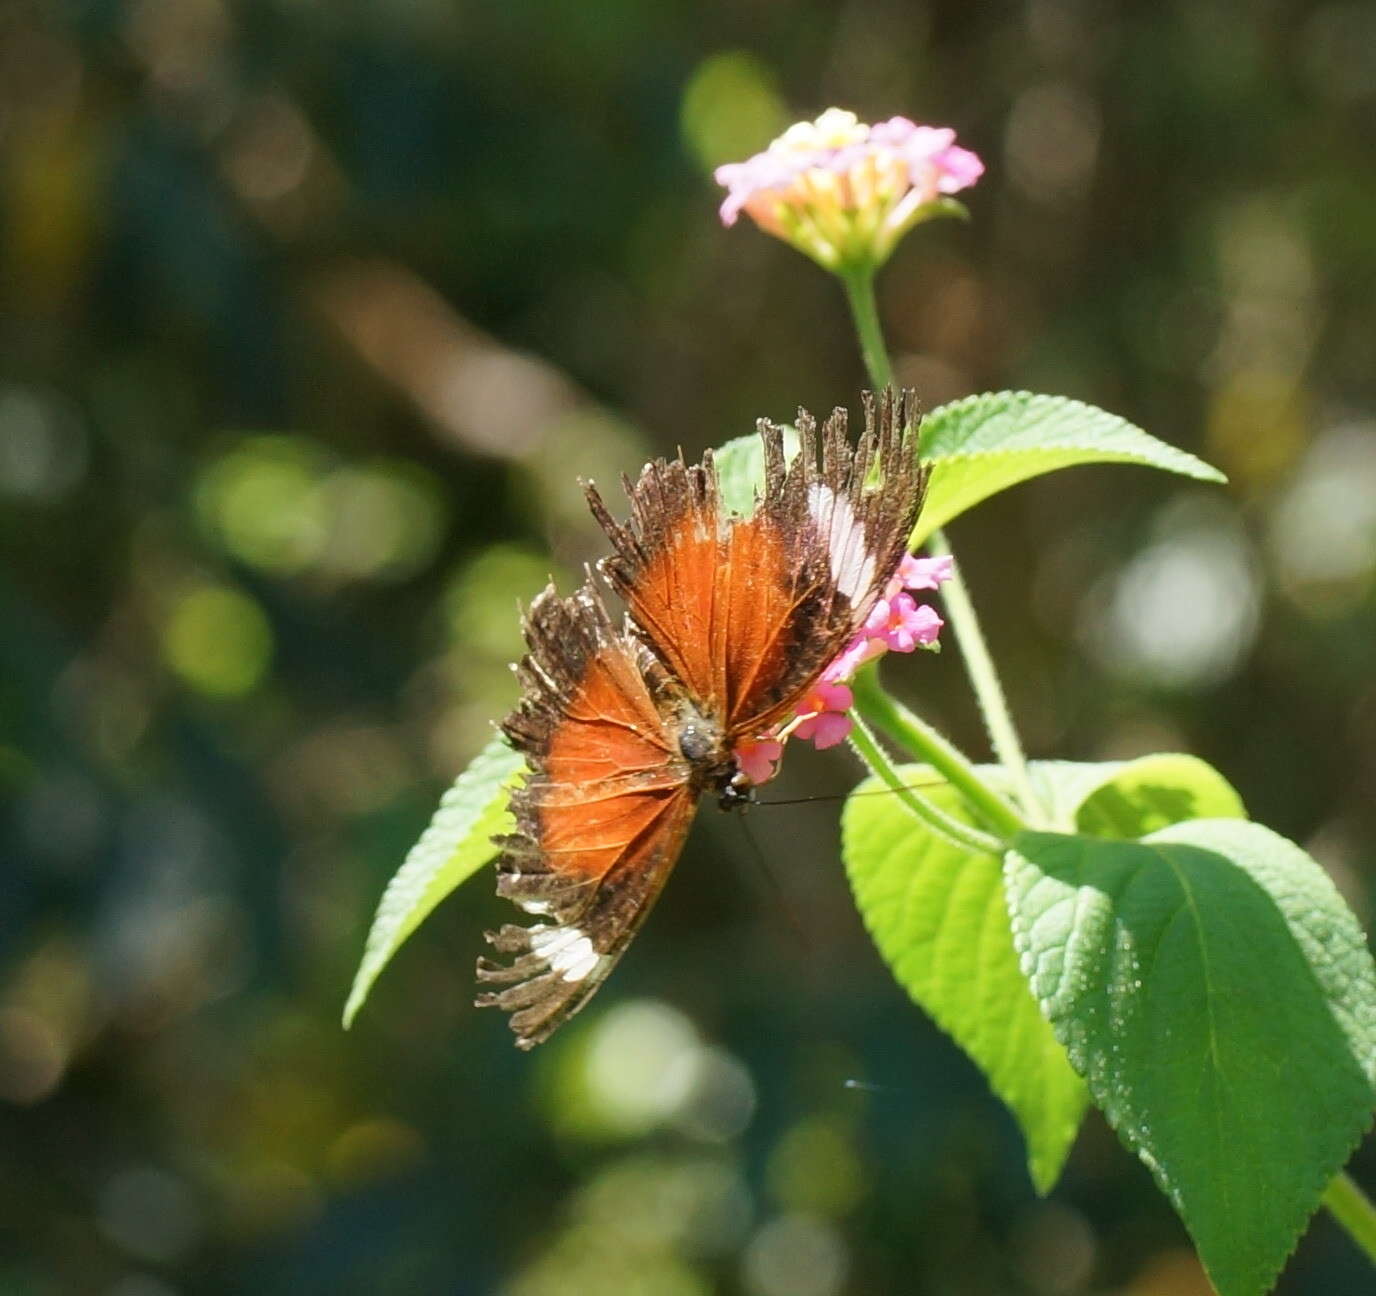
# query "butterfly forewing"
(747, 612)
(665, 567)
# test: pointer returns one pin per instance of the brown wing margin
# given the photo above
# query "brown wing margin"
(600, 818)
(857, 509)
(665, 567)
(559, 966)
(749, 611)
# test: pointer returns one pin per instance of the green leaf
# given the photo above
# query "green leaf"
(1153, 792)
(984, 444)
(1219, 998)
(740, 469)
(938, 916)
(457, 843)
(1128, 799)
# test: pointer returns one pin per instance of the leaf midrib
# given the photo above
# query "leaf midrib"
(1188, 909)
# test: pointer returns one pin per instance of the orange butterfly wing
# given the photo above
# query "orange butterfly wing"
(748, 612)
(600, 820)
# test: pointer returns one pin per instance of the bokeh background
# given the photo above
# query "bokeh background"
(311, 313)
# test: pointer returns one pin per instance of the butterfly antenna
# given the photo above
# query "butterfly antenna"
(845, 796)
(785, 901)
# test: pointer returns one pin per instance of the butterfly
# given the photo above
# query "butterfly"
(729, 621)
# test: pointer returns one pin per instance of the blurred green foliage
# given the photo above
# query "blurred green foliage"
(310, 317)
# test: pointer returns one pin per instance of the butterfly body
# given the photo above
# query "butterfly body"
(729, 621)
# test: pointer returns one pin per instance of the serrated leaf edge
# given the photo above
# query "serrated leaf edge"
(381, 944)
(1112, 1111)
(1066, 403)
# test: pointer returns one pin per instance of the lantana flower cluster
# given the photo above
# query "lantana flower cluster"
(844, 192)
(898, 623)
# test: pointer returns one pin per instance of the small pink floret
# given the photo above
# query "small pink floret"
(877, 623)
(924, 573)
(743, 181)
(824, 721)
(900, 130)
(959, 169)
(825, 729)
(926, 626)
(902, 623)
(920, 574)
(860, 650)
(827, 697)
(758, 758)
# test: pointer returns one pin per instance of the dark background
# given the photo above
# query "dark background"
(311, 314)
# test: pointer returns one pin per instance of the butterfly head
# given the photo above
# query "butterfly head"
(735, 792)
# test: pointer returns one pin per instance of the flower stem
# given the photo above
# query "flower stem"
(984, 680)
(923, 741)
(859, 285)
(979, 663)
(959, 834)
(1354, 1210)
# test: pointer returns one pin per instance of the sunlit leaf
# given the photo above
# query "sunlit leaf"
(457, 843)
(940, 919)
(984, 444)
(1218, 996)
(1127, 799)
(1152, 792)
(938, 916)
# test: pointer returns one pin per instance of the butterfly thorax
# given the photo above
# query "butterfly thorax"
(703, 744)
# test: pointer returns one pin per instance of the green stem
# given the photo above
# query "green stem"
(1354, 1210)
(864, 311)
(974, 651)
(959, 834)
(984, 680)
(923, 741)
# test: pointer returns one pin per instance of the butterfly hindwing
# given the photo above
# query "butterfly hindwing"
(558, 966)
(600, 818)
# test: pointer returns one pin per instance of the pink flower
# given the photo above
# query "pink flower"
(823, 714)
(898, 621)
(826, 697)
(902, 624)
(860, 650)
(825, 729)
(845, 192)
(758, 758)
(920, 573)
(926, 626)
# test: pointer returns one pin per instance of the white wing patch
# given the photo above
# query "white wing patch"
(567, 951)
(852, 565)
